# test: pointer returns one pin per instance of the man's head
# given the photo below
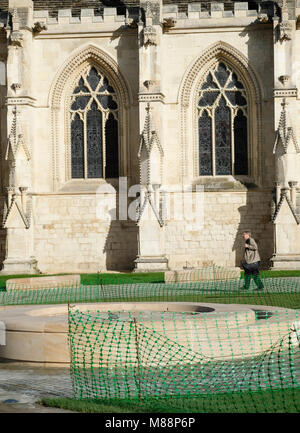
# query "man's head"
(246, 234)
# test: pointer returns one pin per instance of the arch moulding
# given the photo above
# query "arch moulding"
(56, 100)
(190, 83)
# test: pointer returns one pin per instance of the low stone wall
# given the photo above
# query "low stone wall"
(43, 282)
(209, 273)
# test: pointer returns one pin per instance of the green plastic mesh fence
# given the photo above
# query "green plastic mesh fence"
(204, 360)
(282, 292)
(151, 354)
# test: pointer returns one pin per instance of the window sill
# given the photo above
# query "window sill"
(225, 183)
(89, 185)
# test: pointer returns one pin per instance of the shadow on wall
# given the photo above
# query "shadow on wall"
(121, 245)
(255, 216)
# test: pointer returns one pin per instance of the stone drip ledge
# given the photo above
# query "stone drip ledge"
(195, 12)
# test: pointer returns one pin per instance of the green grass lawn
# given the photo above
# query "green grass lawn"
(269, 401)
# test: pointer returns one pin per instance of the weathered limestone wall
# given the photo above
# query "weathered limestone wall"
(68, 236)
(226, 216)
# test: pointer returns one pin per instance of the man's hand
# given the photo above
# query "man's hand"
(246, 245)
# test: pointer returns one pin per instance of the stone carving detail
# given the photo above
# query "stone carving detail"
(24, 208)
(284, 79)
(285, 26)
(284, 195)
(169, 23)
(38, 27)
(150, 36)
(149, 139)
(16, 87)
(16, 37)
(285, 133)
(16, 138)
(19, 200)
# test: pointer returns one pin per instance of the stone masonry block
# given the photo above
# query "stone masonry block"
(193, 15)
(217, 6)
(109, 14)
(241, 6)
(170, 9)
(87, 15)
(41, 14)
(194, 7)
(64, 16)
(240, 9)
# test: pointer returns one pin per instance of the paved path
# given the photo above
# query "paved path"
(22, 387)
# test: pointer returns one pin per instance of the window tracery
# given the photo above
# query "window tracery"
(94, 127)
(222, 124)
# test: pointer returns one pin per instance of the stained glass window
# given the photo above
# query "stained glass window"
(222, 123)
(205, 154)
(77, 149)
(94, 127)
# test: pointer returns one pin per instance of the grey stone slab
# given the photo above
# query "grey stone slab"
(170, 8)
(239, 6)
(194, 7)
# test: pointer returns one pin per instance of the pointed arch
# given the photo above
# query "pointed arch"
(58, 99)
(79, 57)
(198, 69)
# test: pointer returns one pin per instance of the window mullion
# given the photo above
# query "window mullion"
(213, 142)
(85, 145)
(103, 145)
(232, 140)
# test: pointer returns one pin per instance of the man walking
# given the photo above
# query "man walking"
(251, 262)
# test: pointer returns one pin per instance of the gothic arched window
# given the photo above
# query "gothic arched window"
(222, 124)
(94, 128)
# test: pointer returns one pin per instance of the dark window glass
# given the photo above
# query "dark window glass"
(111, 148)
(94, 142)
(107, 102)
(80, 103)
(209, 83)
(77, 150)
(81, 87)
(93, 78)
(106, 87)
(236, 98)
(240, 144)
(222, 74)
(235, 83)
(205, 145)
(223, 139)
(208, 98)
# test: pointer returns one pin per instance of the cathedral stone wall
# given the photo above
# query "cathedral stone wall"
(156, 68)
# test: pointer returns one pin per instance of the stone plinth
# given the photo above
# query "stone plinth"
(285, 262)
(151, 263)
(40, 333)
